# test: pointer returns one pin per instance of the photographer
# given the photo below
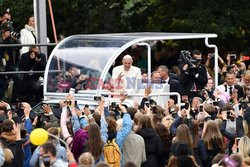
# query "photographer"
(194, 74)
(8, 59)
(33, 61)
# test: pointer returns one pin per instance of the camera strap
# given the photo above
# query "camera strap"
(32, 32)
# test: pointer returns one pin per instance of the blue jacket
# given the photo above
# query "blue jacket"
(26, 143)
(121, 135)
(61, 153)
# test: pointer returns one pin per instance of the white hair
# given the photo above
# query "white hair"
(127, 57)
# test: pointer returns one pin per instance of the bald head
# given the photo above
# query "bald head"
(127, 62)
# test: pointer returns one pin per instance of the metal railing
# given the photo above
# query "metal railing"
(90, 95)
(38, 44)
(29, 72)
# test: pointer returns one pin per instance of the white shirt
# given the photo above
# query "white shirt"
(225, 88)
(167, 80)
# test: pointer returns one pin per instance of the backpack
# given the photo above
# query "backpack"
(112, 154)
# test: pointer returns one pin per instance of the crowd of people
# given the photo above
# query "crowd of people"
(211, 128)
(13, 59)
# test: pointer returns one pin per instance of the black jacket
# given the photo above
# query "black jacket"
(17, 151)
(187, 81)
(153, 145)
(27, 64)
(12, 52)
(175, 86)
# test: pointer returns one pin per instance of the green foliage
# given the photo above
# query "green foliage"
(229, 19)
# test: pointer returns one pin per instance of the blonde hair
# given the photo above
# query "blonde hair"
(246, 128)
(244, 147)
(8, 155)
(183, 135)
(86, 159)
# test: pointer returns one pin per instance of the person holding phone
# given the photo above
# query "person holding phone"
(223, 129)
(196, 101)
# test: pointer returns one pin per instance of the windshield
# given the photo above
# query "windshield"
(79, 63)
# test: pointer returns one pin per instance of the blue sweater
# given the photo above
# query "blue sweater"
(26, 143)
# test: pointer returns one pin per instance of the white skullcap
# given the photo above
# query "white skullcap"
(127, 57)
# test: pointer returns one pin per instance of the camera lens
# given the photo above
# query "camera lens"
(15, 34)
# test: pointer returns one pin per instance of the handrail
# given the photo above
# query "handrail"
(91, 95)
(28, 72)
(38, 44)
(216, 55)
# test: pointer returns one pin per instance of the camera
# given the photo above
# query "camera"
(200, 109)
(233, 56)
(97, 98)
(186, 58)
(228, 114)
(243, 105)
(186, 105)
(13, 34)
(38, 55)
(147, 103)
(215, 103)
(69, 103)
(114, 107)
(203, 92)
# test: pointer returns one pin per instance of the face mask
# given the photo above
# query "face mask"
(46, 161)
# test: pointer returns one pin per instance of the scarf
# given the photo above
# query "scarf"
(29, 28)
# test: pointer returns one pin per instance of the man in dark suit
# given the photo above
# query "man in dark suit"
(194, 76)
(230, 85)
(174, 84)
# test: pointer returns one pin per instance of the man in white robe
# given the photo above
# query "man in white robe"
(126, 77)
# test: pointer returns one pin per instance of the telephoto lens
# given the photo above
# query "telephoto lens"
(15, 34)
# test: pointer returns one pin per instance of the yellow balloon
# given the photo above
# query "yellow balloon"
(39, 136)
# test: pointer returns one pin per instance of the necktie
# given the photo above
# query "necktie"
(231, 90)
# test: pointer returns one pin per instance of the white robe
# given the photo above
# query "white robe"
(129, 81)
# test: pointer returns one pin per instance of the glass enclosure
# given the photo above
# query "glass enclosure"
(83, 61)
